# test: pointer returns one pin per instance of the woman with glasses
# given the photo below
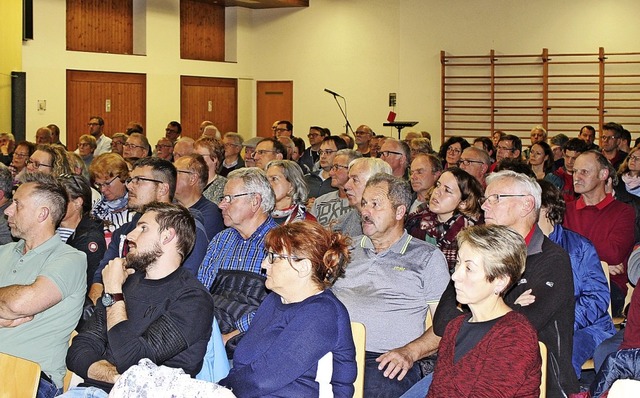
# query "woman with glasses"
(21, 155)
(212, 150)
(78, 228)
(87, 145)
(451, 151)
(454, 204)
(49, 159)
(290, 188)
(300, 342)
(108, 173)
(492, 351)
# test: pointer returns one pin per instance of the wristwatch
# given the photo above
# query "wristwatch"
(109, 299)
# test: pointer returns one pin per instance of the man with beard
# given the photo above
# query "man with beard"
(151, 180)
(152, 307)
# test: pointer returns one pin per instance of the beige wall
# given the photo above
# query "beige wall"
(10, 56)
(363, 49)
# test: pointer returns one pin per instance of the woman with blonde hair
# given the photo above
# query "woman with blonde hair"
(492, 351)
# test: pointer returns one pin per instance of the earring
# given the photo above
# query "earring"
(496, 292)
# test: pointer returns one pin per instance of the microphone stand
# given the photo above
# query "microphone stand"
(347, 125)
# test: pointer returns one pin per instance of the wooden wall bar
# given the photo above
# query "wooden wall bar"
(100, 26)
(561, 92)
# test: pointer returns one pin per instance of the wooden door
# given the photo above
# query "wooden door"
(119, 98)
(208, 98)
(275, 102)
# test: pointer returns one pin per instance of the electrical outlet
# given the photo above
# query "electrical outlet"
(42, 105)
(107, 105)
(392, 99)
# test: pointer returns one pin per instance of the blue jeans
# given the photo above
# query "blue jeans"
(378, 386)
(420, 389)
(85, 392)
(607, 347)
(46, 389)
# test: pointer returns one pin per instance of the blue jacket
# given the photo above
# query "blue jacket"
(591, 290)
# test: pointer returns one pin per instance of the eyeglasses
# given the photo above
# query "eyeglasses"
(263, 152)
(229, 198)
(280, 129)
(20, 155)
(272, 257)
(185, 171)
(453, 150)
(93, 124)
(136, 180)
(501, 148)
(313, 135)
(107, 184)
(608, 137)
(229, 145)
(387, 153)
(634, 158)
(467, 162)
(326, 152)
(37, 164)
(115, 142)
(337, 167)
(160, 146)
(129, 145)
(360, 132)
(83, 144)
(495, 198)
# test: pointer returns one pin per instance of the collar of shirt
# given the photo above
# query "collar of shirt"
(603, 203)
(400, 246)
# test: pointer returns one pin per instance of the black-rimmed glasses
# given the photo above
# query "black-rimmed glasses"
(272, 257)
(98, 186)
(136, 180)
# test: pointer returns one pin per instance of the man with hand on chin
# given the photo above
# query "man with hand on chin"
(152, 307)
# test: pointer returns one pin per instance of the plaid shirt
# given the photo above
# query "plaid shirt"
(228, 250)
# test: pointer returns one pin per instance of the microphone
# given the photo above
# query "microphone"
(333, 93)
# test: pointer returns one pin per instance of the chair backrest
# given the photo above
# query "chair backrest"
(19, 377)
(605, 268)
(543, 379)
(66, 382)
(359, 338)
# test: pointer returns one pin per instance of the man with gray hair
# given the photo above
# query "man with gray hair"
(360, 170)
(544, 294)
(398, 154)
(6, 190)
(42, 279)
(475, 161)
(231, 269)
(393, 279)
(333, 205)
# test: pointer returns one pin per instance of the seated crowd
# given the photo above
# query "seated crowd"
(159, 258)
